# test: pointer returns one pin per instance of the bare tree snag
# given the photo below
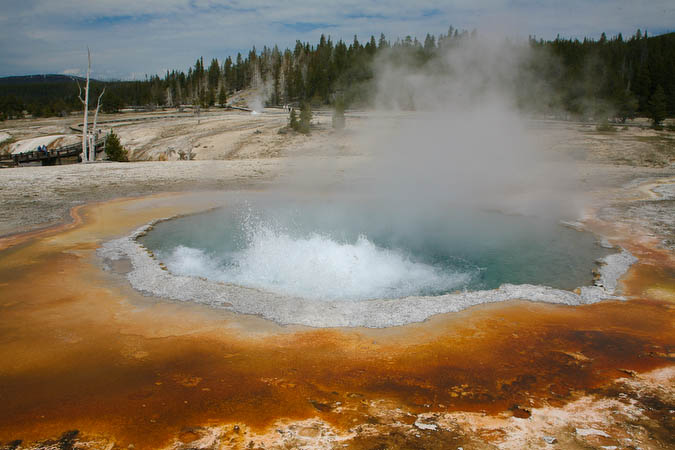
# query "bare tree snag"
(92, 146)
(85, 102)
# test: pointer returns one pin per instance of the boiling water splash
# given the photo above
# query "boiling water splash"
(316, 267)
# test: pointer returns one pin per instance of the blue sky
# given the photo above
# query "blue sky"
(131, 38)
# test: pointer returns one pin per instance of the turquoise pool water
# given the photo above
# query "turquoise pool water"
(326, 251)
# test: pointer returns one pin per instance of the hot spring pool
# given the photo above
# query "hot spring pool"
(310, 251)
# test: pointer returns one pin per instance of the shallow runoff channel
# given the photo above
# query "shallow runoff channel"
(318, 265)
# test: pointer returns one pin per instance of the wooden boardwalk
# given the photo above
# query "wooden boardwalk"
(51, 157)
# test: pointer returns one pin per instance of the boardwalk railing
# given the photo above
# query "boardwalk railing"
(53, 156)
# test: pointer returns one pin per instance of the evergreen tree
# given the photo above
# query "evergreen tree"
(293, 120)
(429, 43)
(305, 118)
(114, 149)
(203, 99)
(222, 97)
(627, 105)
(657, 106)
(383, 42)
(214, 74)
(371, 47)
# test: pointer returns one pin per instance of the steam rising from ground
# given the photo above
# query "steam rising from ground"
(448, 136)
(262, 91)
(467, 143)
(447, 139)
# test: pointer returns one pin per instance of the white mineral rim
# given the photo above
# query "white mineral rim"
(149, 277)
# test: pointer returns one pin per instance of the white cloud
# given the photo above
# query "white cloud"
(146, 36)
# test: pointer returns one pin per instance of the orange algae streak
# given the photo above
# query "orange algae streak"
(653, 277)
(19, 238)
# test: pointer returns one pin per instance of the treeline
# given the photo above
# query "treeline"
(609, 77)
(53, 95)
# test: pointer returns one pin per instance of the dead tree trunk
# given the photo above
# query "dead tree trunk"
(92, 147)
(85, 102)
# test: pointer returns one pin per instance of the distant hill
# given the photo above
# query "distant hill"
(37, 79)
(42, 95)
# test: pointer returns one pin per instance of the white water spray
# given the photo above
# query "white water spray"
(316, 267)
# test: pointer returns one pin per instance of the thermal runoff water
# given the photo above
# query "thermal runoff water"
(306, 249)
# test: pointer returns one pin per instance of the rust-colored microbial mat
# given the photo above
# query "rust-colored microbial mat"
(81, 352)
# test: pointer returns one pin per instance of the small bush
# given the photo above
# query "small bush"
(605, 126)
(114, 149)
(657, 107)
